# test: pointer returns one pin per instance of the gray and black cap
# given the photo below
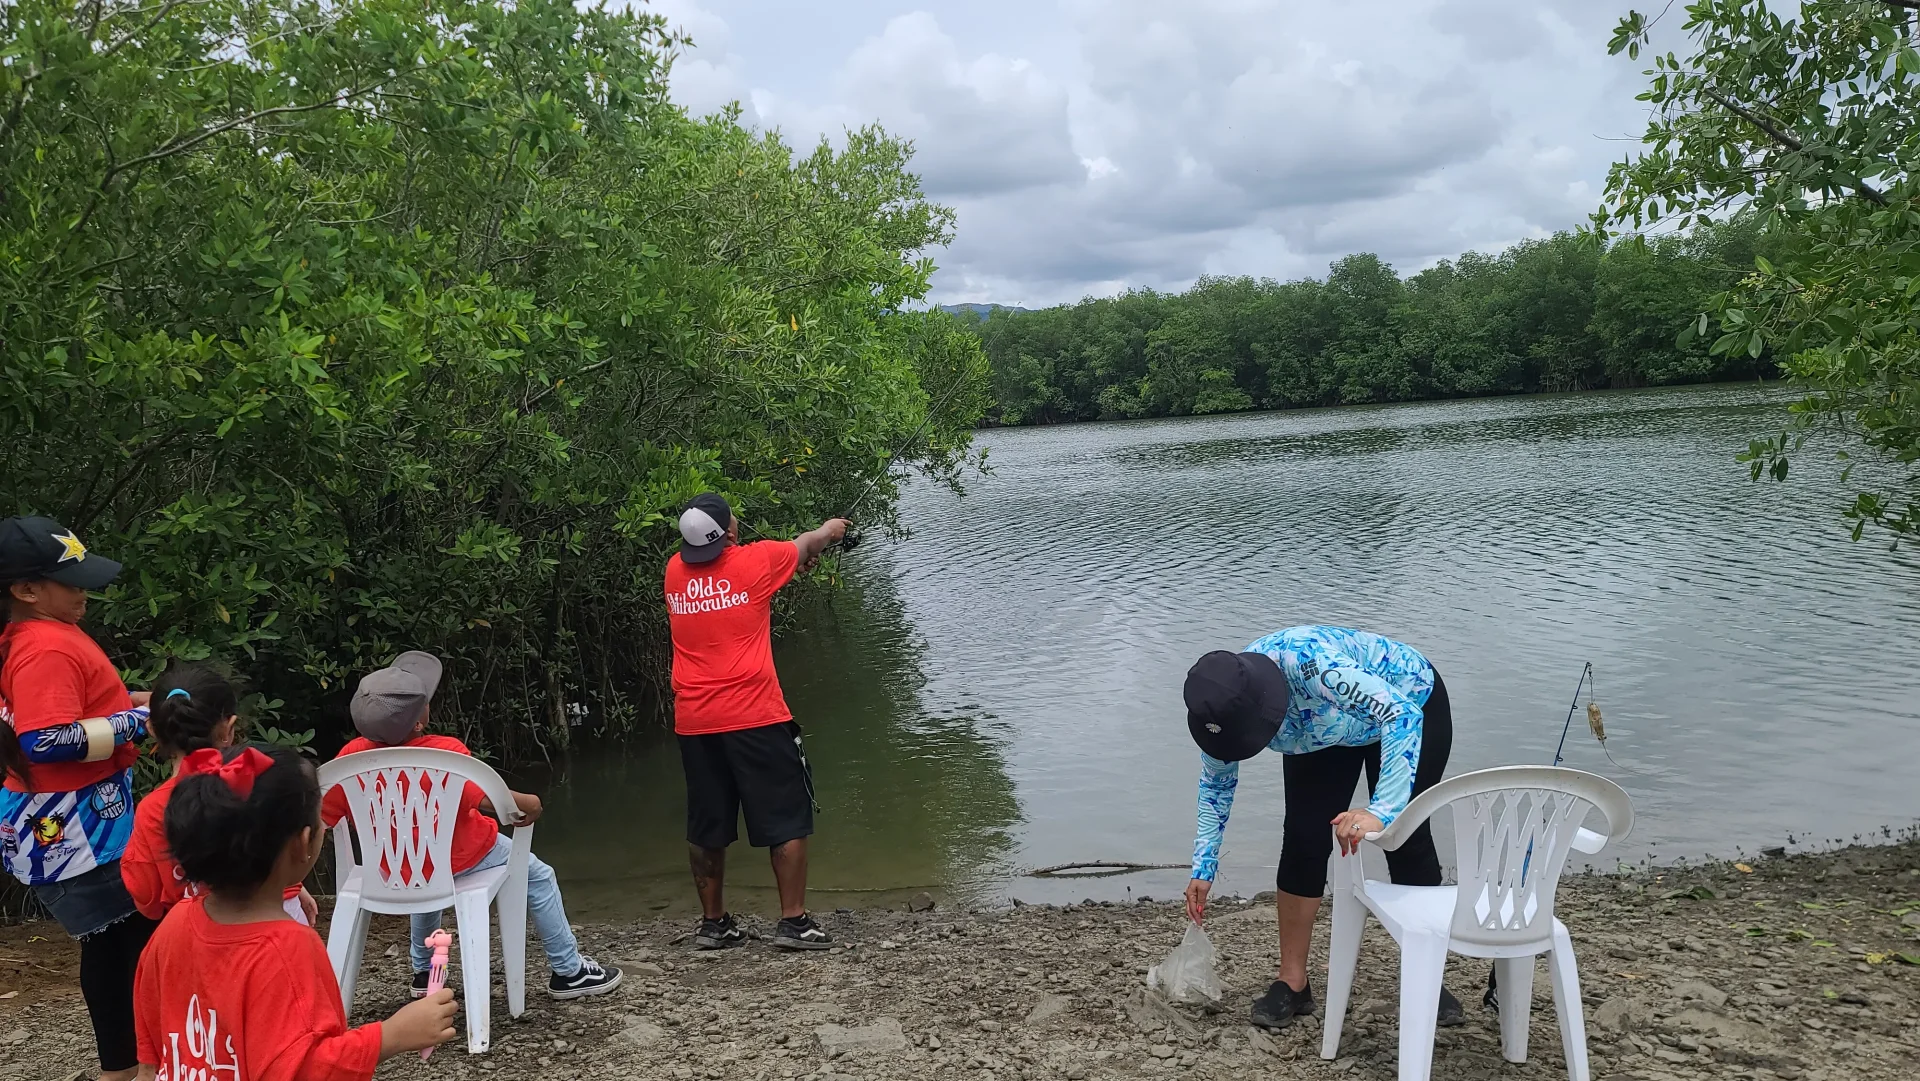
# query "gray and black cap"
(703, 528)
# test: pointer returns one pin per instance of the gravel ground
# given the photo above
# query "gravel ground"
(1795, 967)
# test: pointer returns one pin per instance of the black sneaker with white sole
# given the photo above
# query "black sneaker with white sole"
(420, 984)
(1280, 1005)
(590, 980)
(801, 933)
(720, 934)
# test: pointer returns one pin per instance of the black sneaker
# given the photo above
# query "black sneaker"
(420, 984)
(1451, 1013)
(801, 933)
(590, 980)
(720, 934)
(1281, 1004)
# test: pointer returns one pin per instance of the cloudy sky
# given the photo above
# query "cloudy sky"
(1089, 146)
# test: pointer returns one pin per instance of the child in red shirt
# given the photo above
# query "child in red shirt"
(193, 708)
(390, 710)
(231, 986)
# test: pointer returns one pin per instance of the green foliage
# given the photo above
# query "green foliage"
(1807, 118)
(1564, 313)
(367, 325)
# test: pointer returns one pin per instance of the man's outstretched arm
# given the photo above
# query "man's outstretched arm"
(815, 541)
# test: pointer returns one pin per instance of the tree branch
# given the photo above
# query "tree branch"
(1788, 139)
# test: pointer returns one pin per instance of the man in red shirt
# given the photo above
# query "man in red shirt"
(738, 741)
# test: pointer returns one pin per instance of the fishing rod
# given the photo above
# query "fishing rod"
(850, 542)
(1586, 674)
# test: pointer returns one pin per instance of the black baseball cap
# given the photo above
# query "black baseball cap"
(703, 528)
(34, 548)
(1236, 703)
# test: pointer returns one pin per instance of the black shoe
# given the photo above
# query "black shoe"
(1281, 1004)
(1491, 1000)
(1451, 1014)
(801, 933)
(720, 934)
(420, 984)
(590, 980)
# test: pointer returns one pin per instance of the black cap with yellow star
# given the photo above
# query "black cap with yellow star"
(32, 549)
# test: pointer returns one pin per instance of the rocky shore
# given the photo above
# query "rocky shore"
(1803, 967)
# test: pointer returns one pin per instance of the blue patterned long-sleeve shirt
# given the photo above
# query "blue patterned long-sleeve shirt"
(1348, 689)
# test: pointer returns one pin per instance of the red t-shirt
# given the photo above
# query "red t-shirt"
(721, 617)
(52, 673)
(473, 834)
(244, 1002)
(153, 880)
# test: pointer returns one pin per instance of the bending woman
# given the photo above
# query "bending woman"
(1333, 702)
(67, 747)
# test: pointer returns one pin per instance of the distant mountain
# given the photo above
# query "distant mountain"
(978, 311)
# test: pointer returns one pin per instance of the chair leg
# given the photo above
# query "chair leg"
(347, 945)
(476, 966)
(1516, 1005)
(512, 906)
(1423, 967)
(1566, 1003)
(1343, 955)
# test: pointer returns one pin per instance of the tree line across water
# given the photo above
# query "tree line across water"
(1557, 314)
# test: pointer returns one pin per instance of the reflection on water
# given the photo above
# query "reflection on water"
(912, 797)
(1752, 662)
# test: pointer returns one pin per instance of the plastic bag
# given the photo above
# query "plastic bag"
(1187, 975)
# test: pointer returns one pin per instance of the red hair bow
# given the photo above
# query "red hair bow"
(237, 774)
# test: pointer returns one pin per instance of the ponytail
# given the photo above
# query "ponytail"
(13, 759)
(189, 702)
(227, 826)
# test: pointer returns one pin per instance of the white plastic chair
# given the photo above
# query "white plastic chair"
(1513, 827)
(403, 802)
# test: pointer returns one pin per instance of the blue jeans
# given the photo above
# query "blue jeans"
(543, 902)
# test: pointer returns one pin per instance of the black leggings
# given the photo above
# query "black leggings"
(107, 962)
(1320, 786)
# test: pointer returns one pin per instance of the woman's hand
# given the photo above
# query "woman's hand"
(1352, 827)
(310, 906)
(1197, 891)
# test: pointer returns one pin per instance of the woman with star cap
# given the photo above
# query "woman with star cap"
(69, 731)
(1335, 703)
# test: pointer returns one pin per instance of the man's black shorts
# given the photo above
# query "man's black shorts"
(761, 770)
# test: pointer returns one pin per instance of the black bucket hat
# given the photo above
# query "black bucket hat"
(35, 549)
(1236, 703)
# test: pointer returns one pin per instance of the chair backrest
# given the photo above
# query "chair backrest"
(403, 803)
(1513, 829)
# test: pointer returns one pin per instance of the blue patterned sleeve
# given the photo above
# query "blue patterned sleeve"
(1397, 719)
(1217, 783)
(68, 742)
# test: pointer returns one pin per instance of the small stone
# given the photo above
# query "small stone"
(1262, 1042)
(1161, 1051)
(392, 952)
(1687, 1043)
(920, 902)
(933, 1043)
(1911, 919)
(1076, 1073)
(883, 1035)
(989, 1026)
(645, 968)
(1048, 1008)
(18, 1035)
(1774, 853)
(1705, 992)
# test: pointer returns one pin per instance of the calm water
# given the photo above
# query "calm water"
(1002, 690)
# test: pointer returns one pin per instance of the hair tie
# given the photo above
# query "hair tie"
(237, 774)
(180, 692)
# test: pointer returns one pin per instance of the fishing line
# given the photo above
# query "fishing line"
(1595, 723)
(850, 543)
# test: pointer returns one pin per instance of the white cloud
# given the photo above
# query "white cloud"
(1092, 145)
